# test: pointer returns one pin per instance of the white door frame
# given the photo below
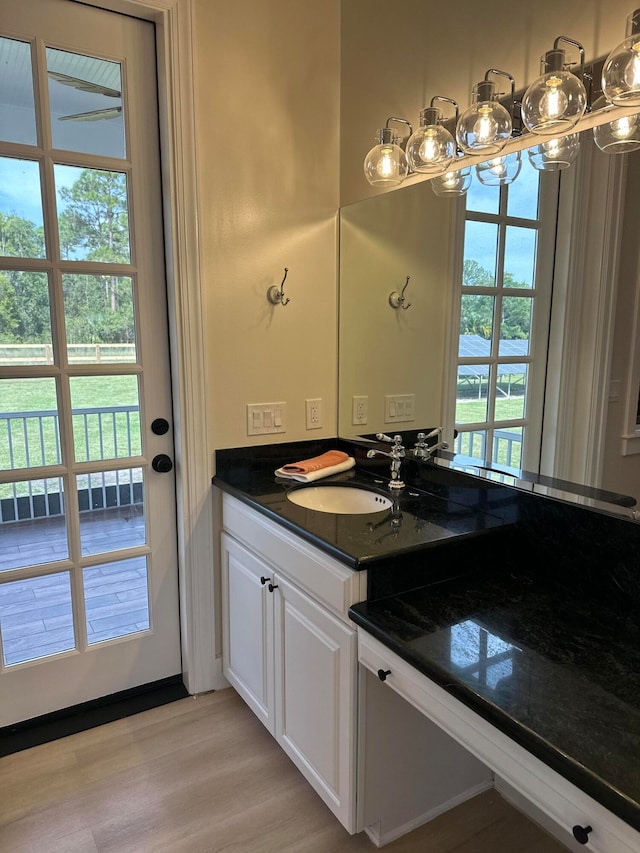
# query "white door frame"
(201, 667)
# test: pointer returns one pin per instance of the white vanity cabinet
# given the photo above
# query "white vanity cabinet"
(290, 650)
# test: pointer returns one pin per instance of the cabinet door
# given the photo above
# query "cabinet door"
(247, 624)
(315, 669)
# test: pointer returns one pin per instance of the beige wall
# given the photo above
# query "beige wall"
(267, 98)
(289, 94)
(397, 56)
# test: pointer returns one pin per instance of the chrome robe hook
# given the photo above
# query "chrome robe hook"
(275, 294)
(397, 300)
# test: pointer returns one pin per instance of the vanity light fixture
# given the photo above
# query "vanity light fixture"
(555, 154)
(619, 136)
(485, 127)
(386, 163)
(452, 183)
(557, 100)
(431, 149)
(499, 171)
(621, 69)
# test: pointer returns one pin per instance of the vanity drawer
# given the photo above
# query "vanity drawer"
(325, 579)
(563, 802)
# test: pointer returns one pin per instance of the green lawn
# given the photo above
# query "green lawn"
(37, 443)
(469, 411)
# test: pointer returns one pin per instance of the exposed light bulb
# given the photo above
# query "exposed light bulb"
(429, 148)
(621, 69)
(450, 181)
(485, 127)
(452, 184)
(554, 101)
(555, 154)
(557, 100)
(499, 171)
(497, 166)
(623, 128)
(552, 149)
(619, 136)
(388, 164)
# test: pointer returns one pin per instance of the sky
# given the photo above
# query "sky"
(20, 187)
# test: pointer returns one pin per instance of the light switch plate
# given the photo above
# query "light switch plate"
(399, 408)
(266, 418)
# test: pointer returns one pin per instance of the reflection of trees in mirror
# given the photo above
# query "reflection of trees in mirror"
(476, 314)
(93, 224)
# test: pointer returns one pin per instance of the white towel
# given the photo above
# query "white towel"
(317, 475)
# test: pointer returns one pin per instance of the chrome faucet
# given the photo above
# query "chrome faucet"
(396, 454)
(425, 452)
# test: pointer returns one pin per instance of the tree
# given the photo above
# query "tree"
(20, 238)
(93, 225)
(95, 219)
(476, 314)
(24, 298)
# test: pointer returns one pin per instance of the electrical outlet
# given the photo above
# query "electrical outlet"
(314, 413)
(360, 410)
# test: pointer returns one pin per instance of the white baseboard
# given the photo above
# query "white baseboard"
(381, 838)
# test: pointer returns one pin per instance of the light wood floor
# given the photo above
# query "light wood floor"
(202, 775)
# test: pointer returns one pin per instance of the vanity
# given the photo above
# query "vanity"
(405, 659)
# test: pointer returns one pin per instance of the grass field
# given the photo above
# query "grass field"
(34, 441)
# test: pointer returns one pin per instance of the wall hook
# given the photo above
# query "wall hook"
(275, 294)
(396, 300)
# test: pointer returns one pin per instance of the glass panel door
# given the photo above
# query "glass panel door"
(88, 573)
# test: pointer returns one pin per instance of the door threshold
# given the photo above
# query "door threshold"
(88, 715)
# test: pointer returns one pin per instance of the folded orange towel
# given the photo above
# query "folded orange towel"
(316, 463)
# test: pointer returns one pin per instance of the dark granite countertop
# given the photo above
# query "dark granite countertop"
(417, 520)
(556, 671)
(550, 656)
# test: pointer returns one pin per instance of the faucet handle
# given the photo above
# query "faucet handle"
(397, 439)
(420, 448)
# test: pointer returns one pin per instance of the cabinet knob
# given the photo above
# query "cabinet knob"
(273, 586)
(264, 580)
(581, 833)
(383, 673)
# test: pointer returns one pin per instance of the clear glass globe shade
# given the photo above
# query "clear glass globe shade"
(431, 149)
(386, 165)
(554, 103)
(484, 127)
(499, 171)
(619, 136)
(452, 183)
(555, 154)
(621, 73)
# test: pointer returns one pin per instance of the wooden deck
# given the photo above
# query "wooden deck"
(36, 614)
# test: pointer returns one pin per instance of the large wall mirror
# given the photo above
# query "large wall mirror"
(408, 330)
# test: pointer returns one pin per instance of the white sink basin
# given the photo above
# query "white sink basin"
(341, 500)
